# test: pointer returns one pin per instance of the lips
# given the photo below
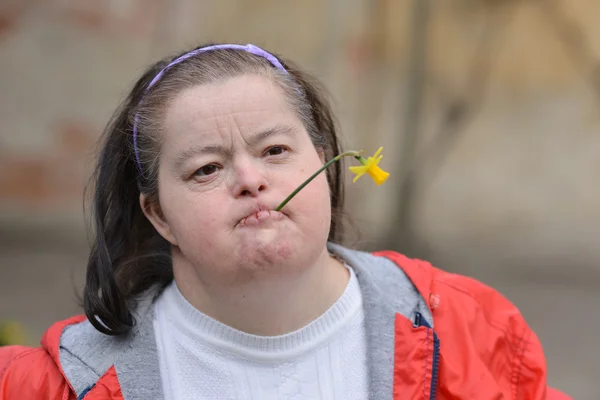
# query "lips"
(260, 215)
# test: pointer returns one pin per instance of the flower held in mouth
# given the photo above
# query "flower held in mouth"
(369, 166)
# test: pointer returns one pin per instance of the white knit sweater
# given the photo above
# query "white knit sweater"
(201, 358)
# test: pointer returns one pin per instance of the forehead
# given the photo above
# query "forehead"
(247, 102)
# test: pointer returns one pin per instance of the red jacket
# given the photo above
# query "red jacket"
(481, 348)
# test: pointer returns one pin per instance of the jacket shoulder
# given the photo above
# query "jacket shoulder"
(461, 298)
(478, 327)
(35, 373)
(489, 330)
(30, 373)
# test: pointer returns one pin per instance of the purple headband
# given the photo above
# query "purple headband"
(250, 48)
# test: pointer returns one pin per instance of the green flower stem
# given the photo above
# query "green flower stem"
(355, 154)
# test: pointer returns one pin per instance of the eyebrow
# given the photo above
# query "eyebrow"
(255, 139)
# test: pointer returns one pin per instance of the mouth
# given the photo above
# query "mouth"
(260, 217)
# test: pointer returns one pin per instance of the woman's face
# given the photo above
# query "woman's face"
(232, 152)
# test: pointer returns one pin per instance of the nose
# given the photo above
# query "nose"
(249, 180)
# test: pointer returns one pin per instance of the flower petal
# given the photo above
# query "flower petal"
(379, 150)
(360, 169)
(378, 175)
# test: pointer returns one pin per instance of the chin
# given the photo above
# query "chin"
(260, 252)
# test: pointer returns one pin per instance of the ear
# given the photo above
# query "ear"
(152, 211)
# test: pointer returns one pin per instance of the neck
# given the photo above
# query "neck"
(269, 305)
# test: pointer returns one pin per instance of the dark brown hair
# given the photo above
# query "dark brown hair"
(128, 256)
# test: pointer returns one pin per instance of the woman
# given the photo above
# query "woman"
(200, 287)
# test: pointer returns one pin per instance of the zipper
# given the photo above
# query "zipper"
(85, 392)
(436, 366)
(435, 372)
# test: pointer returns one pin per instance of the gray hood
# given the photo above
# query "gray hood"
(86, 354)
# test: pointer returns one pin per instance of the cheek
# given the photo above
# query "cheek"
(314, 201)
(198, 227)
(192, 215)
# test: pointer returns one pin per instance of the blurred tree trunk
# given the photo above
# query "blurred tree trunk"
(401, 233)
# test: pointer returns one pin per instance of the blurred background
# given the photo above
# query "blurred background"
(489, 112)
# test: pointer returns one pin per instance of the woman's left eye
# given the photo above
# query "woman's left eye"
(275, 150)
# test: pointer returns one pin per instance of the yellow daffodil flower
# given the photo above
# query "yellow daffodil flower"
(371, 166)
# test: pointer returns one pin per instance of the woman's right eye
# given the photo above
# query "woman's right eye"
(207, 170)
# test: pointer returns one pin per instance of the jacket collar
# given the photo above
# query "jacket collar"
(387, 293)
(85, 354)
(51, 341)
